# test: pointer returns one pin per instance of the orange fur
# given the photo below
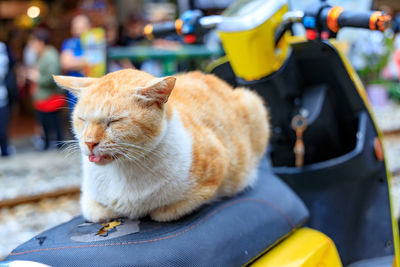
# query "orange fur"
(229, 130)
(228, 127)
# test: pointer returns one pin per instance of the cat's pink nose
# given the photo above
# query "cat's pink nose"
(91, 145)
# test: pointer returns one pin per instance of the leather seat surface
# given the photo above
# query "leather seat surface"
(230, 232)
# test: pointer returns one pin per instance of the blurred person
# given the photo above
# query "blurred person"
(48, 97)
(11, 79)
(112, 35)
(132, 32)
(29, 55)
(72, 60)
(29, 59)
(4, 110)
(112, 38)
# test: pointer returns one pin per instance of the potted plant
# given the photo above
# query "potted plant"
(375, 54)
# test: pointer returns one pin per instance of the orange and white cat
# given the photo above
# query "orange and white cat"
(163, 146)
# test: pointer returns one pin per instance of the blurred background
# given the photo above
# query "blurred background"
(40, 172)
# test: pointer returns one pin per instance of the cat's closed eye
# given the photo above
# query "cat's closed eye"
(112, 121)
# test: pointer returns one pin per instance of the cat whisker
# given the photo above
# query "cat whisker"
(118, 146)
(143, 149)
(70, 151)
(63, 108)
(68, 100)
(143, 154)
(67, 147)
(137, 161)
(69, 141)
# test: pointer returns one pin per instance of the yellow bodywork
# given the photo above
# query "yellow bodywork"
(252, 53)
(305, 248)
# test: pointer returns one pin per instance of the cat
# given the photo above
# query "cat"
(163, 146)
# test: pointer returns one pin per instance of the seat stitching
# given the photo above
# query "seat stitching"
(292, 224)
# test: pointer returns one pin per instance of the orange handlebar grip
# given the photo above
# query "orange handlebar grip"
(148, 31)
(178, 26)
(332, 18)
(373, 19)
(379, 21)
(383, 22)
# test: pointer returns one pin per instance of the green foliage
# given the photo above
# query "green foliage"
(394, 90)
(375, 61)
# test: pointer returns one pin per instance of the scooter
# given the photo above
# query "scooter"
(322, 197)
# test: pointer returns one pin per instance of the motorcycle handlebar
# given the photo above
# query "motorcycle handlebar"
(162, 29)
(335, 18)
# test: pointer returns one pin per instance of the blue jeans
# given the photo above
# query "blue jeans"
(4, 120)
(51, 123)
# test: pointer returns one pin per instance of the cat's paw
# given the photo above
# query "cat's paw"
(163, 215)
(171, 212)
(96, 212)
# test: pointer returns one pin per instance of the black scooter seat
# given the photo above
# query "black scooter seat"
(230, 232)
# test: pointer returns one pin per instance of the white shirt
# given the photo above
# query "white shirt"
(3, 73)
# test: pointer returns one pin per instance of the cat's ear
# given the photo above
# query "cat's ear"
(158, 90)
(73, 84)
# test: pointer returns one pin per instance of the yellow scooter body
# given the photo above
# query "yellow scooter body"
(253, 55)
(246, 33)
(304, 248)
(309, 247)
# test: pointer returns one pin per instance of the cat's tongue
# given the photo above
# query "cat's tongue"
(93, 158)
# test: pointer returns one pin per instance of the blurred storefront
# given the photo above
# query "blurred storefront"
(394, 4)
(19, 18)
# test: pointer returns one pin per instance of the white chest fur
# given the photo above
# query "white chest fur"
(134, 189)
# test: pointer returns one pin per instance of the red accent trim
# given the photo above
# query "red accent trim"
(325, 35)
(378, 149)
(311, 34)
(189, 38)
(53, 103)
